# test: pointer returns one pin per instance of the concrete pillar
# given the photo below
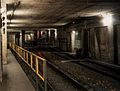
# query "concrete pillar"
(110, 28)
(35, 35)
(17, 38)
(49, 36)
(85, 43)
(20, 39)
(0, 57)
(108, 21)
(4, 32)
(115, 43)
(23, 38)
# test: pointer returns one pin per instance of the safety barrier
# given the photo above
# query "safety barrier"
(36, 63)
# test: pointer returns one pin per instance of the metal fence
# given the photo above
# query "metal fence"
(36, 63)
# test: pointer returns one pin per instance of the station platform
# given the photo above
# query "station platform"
(14, 78)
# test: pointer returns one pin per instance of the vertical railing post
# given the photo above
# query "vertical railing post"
(20, 52)
(36, 69)
(24, 53)
(45, 75)
(12, 46)
(27, 57)
(17, 49)
(36, 60)
(31, 62)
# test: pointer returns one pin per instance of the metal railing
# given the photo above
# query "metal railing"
(36, 63)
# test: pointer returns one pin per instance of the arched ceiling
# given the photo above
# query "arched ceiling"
(51, 13)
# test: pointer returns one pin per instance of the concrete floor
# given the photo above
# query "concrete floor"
(14, 78)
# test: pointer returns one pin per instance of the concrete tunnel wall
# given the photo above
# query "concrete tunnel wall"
(92, 24)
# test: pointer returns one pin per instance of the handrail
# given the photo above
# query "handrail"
(36, 63)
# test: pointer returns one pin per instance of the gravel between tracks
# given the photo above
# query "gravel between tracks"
(60, 82)
(97, 81)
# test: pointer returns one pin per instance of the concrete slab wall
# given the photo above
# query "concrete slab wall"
(0, 61)
(94, 24)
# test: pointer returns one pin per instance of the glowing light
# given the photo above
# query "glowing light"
(19, 21)
(73, 40)
(32, 34)
(9, 12)
(2, 10)
(49, 32)
(55, 33)
(107, 19)
(15, 25)
(73, 32)
(29, 38)
(20, 12)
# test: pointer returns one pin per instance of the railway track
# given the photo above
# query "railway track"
(108, 70)
(96, 68)
(58, 80)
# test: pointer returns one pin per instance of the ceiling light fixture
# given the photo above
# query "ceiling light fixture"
(107, 19)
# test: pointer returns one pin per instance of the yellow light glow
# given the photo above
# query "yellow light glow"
(19, 21)
(2, 10)
(29, 38)
(73, 40)
(20, 34)
(56, 34)
(19, 12)
(24, 12)
(107, 20)
(9, 12)
(15, 25)
(73, 32)
(32, 34)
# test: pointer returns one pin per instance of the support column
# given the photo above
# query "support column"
(108, 21)
(85, 49)
(23, 38)
(20, 39)
(1, 66)
(0, 51)
(4, 32)
(17, 38)
(35, 35)
(115, 43)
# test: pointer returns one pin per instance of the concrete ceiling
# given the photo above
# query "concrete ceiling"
(51, 13)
